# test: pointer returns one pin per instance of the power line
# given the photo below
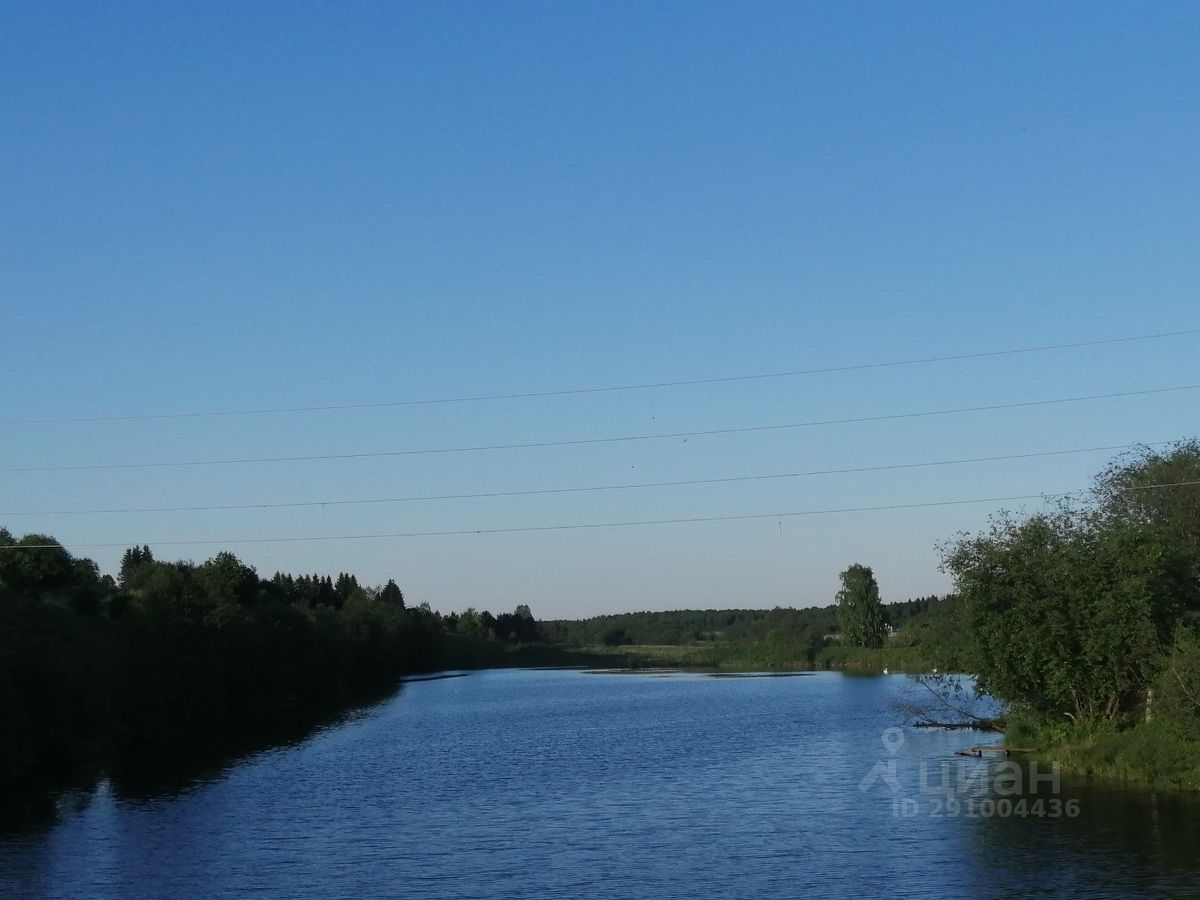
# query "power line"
(479, 398)
(374, 454)
(586, 525)
(587, 489)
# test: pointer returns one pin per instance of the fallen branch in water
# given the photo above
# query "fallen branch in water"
(977, 725)
(945, 695)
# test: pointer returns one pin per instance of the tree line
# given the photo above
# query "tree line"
(806, 630)
(169, 655)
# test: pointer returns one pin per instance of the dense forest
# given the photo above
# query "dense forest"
(685, 626)
(170, 656)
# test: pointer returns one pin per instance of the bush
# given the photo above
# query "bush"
(1177, 688)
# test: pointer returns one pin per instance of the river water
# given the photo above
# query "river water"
(544, 783)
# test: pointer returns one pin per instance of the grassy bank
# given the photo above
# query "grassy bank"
(474, 653)
(1157, 754)
(462, 652)
(715, 655)
(900, 659)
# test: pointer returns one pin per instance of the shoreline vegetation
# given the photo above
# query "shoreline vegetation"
(1084, 623)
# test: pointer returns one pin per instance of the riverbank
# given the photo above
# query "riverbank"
(1153, 754)
(701, 655)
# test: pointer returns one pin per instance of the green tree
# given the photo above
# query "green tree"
(228, 581)
(346, 587)
(1176, 696)
(1078, 613)
(392, 595)
(44, 568)
(859, 610)
(470, 624)
(1066, 617)
(1159, 490)
(132, 560)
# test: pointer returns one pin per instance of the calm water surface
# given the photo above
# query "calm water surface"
(570, 784)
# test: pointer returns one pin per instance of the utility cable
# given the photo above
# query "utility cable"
(652, 385)
(375, 454)
(584, 525)
(586, 489)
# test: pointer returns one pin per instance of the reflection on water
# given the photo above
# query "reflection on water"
(40, 803)
(561, 783)
(1133, 842)
(31, 805)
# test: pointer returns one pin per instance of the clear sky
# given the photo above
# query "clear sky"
(217, 206)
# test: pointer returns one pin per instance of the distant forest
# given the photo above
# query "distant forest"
(812, 626)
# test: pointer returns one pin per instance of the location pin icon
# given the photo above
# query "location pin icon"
(893, 740)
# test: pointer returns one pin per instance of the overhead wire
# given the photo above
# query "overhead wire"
(584, 525)
(374, 454)
(565, 392)
(587, 488)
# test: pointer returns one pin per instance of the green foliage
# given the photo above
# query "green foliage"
(133, 559)
(517, 626)
(53, 669)
(687, 626)
(938, 632)
(1067, 613)
(228, 582)
(470, 624)
(844, 656)
(182, 654)
(616, 636)
(1062, 617)
(1155, 753)
(769, 638)
(1176, 696)
(392, 595)
(42, 570)
(1136, 490)
(860, 613)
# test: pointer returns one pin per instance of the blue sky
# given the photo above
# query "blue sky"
(221, 206)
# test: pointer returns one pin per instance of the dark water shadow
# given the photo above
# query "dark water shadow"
(437, 676)
(758, 674)
(142, 773)
(1114, 839)
(37, 801)
(667, 671)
